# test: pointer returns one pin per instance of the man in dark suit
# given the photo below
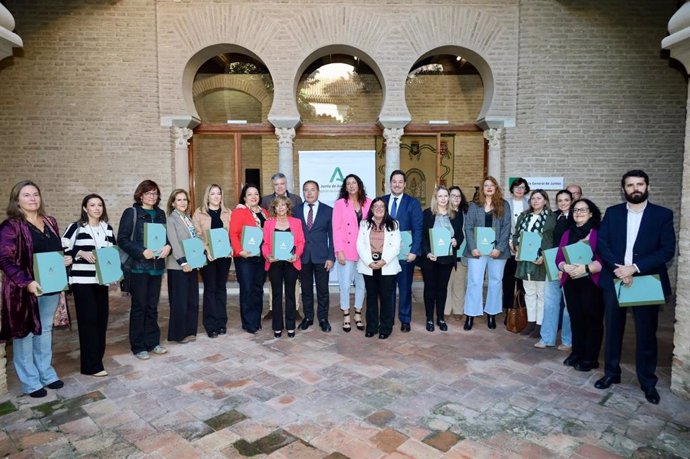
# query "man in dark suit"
(408, 212)
(318, 256)
(636, 238)
(280, 189)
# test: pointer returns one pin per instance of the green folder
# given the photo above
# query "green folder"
(50, 272)
(485, 236)
(194, 252)
(440, 242)
(579, 253)
(154, 237)
(108, 265)
(252, 237)
(644, 291)
(283, 247)
(405, 244)
(550, 263)
(461, 249)
(528, 246)
(219, 242)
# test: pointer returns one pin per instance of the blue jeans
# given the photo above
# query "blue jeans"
(346, 274)
(33, 355)
(553, 297)
(474, 301)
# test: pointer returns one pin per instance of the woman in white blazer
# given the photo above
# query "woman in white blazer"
(378, 246)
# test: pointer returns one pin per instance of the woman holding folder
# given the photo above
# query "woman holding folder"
(246, 235)
(580, 282)
(489, 218)
(146, 269)
(183, 284)
(457, 285)
(438, 258)
(27, 314)
(283, 246)
(81, 239)
(212, 215)
(538, 220)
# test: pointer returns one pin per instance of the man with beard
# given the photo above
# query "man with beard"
(636, 238)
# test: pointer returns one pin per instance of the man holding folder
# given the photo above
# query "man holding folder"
(636, 238)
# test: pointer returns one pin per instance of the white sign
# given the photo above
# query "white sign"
(329, 169)
(545, 183)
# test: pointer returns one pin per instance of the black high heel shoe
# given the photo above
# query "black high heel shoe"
(358, 322)
(346, 322)
(469, 321)
(491, 321)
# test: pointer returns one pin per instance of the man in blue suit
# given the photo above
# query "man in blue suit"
(636, 238)
(408, 212)
(318, 256)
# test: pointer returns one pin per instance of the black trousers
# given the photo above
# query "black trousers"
(315, 273)
(215, 306)
(144, 333)
(509, 282)
(585, 304)
(251, 277)
(380, 291)
(436, 277)
(91, 304)
(183, 294)
(283, 274)
(646, 322)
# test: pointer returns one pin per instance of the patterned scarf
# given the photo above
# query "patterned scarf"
(538, 226)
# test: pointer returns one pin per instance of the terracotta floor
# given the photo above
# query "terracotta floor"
(457, 394)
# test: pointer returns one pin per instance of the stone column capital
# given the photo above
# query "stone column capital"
(494, 136)
(285, 136)
(182, 136)
(393, 136)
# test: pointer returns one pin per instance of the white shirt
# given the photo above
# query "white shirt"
(634, 220)
(517, 207)
(306, 211)
(390, 203)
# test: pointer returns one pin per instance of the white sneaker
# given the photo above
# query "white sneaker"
(159, 350)
(564, 347)
(143, 355)
(540, 345)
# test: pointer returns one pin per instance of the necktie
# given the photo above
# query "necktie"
(310, 216)
(394, 209)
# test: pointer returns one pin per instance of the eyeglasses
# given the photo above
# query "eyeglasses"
(521, 187)
(153, 194)
(581, 210)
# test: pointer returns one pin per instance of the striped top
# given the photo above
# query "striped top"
(86, 238)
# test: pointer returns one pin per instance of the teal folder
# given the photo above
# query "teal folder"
(252, 237)
(579, 253)
(154, 237)
(219, 242)
(50, 272)
(194, 252)
(644, 291)
(529, 244)
(405, 244)
(550, 263)
(461, 249)
(440, 242)
(108, 265)
(485, 237)
(283, 247)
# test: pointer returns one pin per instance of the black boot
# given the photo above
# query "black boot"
(529, 328)
(491, 321)
(469, 321)
(536, 333)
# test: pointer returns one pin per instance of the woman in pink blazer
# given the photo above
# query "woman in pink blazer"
(349, 210)
(283, 272)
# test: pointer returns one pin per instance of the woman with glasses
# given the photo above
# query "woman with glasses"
(489, 209)
(349, 210)
(539, 219)
(581, 287)
(378, 245)
(519, 190)
(146, 270)
(436, 268)
(457, 285)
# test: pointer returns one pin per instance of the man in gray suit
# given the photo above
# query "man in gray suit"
(280, 189)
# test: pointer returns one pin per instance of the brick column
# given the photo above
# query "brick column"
(679, 43)
(495, 138)
(392, 136)
(286, 136)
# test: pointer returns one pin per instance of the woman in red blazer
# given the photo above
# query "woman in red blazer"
(249, 267)
(281, 271)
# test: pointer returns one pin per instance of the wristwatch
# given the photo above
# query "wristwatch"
(587, 269)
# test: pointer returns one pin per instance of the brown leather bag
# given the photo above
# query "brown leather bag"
(517, 315)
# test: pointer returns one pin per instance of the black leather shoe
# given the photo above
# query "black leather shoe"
(277, 334)
(469, 321)
(651, 395)
(325, 326)
(222, 331)
(584, 366)
(606, 381)
(40, 393)
(57, 384)
(442, 325)
(291, 334)
(383, 335)
(405, 327)
(306, 323)
(213, 334)
(570, 361)
(429, 326)
(369, 334)
(491, 321)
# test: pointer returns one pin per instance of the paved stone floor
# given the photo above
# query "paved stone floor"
(457, 394)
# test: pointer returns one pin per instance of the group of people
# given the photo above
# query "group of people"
(364, 237)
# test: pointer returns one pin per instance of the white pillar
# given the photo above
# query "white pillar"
(182, 136)
(8, 39)
(495, 138)
(392, 136)
(286, 137)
